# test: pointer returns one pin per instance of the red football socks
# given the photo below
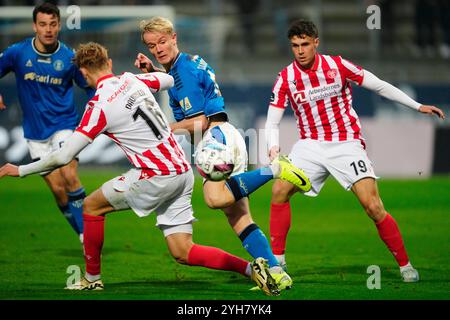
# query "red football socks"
(94, 230)
(390, 234)
(280, 222)
(215, 258)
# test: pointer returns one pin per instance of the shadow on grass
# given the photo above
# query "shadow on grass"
(139, 287)
(176, 284)
(333, 270)
(74, 253)
(346, 272)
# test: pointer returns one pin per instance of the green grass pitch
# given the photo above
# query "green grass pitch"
(330, 246)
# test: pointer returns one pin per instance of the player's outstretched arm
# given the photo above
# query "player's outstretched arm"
(2, 104)
(166, 81)
(387, 90)
(272, 132)
(76, 142)
(157, 81)
(9, 170)
(431, 110)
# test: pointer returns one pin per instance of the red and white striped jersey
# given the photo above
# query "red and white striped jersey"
(125, 110)
(321, 98)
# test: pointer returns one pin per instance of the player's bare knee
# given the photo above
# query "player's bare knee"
(217, 195)
(215, 201)
(280, 193)
(374, 208)
(181, 260)
(89, 206)
(181, 256)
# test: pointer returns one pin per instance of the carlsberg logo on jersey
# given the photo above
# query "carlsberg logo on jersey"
(43, 79)
(318, 93)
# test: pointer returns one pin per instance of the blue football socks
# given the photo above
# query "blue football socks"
(76, 206)
(243, 184)
(255, 242)
(69, 217)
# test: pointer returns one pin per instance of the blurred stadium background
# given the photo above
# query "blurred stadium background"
(245, 42)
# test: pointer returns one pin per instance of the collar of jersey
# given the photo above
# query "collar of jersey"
(313, 68)
(42, 53)
(104, 78)
(176, 59)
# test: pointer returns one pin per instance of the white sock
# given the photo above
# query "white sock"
(406, 266)
(276, 169)
(281, 258)
(92, 278)
(248, 270)
(276, 269)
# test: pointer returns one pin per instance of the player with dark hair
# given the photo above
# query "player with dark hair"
(318, 88)
(160, 181)
(44, 77)
(199, 107)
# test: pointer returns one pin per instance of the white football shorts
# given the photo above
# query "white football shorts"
(40, 148)
(168, 196)
(227, 134)
(346, 161)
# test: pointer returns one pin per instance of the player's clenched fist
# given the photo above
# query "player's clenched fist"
(9, 170)
(143, 63)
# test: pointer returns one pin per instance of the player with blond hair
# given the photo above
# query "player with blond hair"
(198, 107)
(161, 180)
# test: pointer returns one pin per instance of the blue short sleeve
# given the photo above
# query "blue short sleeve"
(7, 59)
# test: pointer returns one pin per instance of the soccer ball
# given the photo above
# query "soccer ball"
(214, 161)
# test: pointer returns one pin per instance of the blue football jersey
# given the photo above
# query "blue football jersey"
(195, 91)
(45, 87)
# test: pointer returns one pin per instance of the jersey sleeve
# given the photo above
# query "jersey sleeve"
(351, 71)
(279, 96)
(272, 127)
(93, 121)
(7, 59)
(57, 158)
(387, 90)
(156, 81)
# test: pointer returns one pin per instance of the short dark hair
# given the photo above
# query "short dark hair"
(302, 28)
(47, 8)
